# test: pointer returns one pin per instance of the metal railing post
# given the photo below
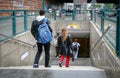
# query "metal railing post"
(25, 21)
(43, 4)
(73, 15)
(118, 33)
(14, 22)
(102, 21)
(94, 15)
(54, 15)
(91, 11)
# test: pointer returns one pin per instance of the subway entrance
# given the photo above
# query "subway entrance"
(84, 51)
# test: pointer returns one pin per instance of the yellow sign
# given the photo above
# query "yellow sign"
(73, 26)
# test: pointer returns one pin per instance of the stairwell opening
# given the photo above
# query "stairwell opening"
(82, 34)
(84, 50)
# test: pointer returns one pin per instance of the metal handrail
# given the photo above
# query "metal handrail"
(18, 40)
(21, 41)
(101, 37)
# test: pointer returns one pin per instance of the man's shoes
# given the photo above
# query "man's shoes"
(57, 57)
(73, 59)
(60, 64)
(35, 66)
(48, 66)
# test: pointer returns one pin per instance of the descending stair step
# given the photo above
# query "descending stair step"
(53, 72)
(77, 62)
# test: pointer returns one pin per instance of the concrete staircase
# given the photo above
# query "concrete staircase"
(80, 68)
(53, 72)
(77, 62)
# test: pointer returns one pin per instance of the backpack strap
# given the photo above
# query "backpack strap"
(45, 20)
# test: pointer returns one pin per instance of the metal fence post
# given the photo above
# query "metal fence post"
(94, 15)
(102, 21)
(91, 11)
(118, 33)
(25, 21)
(14, 22)
(54, 15)
(43, 4)
(73, 15)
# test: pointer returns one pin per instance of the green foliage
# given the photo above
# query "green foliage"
(97, 5)
(108, 6)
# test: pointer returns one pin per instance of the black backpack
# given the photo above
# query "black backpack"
(74, 47)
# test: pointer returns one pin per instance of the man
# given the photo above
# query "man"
(75, 48)
(40, 20)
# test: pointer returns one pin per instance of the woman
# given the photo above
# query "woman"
(64, 47)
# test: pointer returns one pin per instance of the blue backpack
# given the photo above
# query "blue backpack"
(44, 34)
